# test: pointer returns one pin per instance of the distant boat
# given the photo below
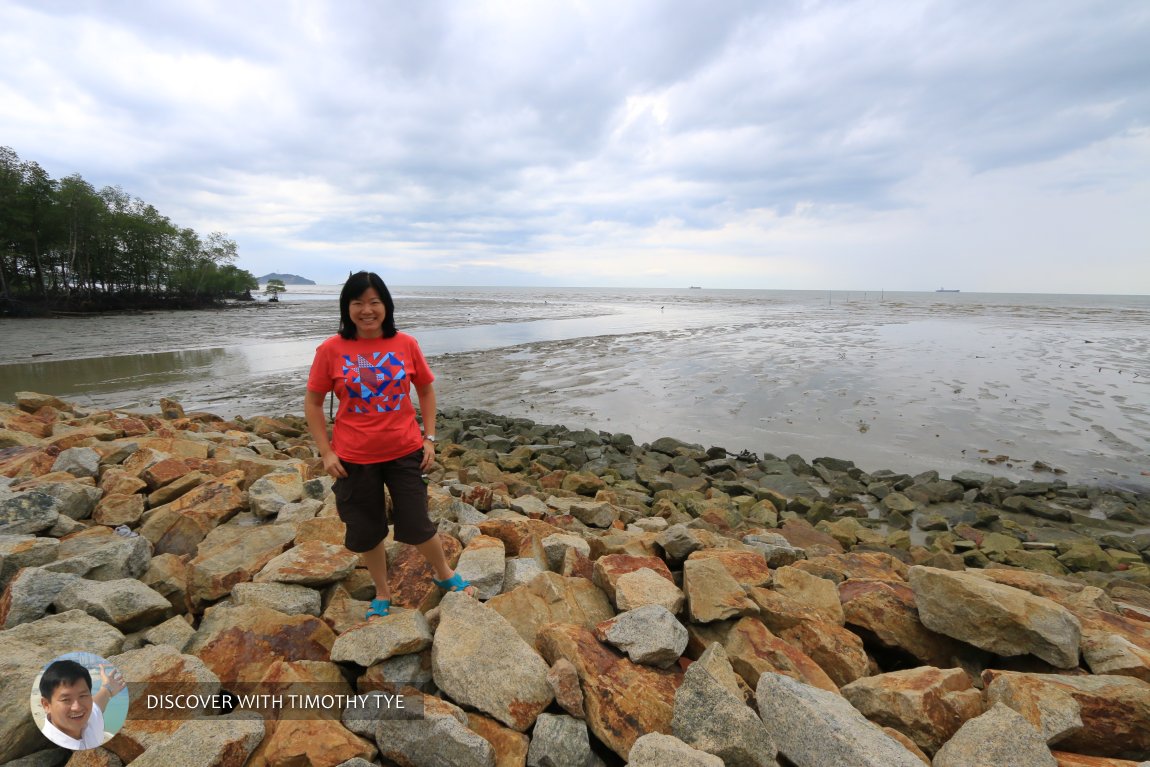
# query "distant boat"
(694, 287)
(948, 290)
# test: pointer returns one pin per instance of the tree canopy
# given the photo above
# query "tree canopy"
(65, 242)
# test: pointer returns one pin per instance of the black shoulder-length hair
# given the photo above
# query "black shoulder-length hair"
(354, 288)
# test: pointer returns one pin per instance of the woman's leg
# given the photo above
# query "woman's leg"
(432, 551)
(376, 561)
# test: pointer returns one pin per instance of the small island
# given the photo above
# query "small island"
(286, 279)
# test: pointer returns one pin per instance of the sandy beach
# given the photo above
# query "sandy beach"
(906, 381)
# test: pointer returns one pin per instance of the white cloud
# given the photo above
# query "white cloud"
(847, 145)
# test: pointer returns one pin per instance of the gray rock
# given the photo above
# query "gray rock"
(484, 567)
(175, 632)
(76, 500)
(816, 728)
(297, 565)
(18, 551)
(127, 604)
(108, 560)
(23, 652)
(479, 660)
(788, 485)
(677, 541)
(1000, 736)
(601, 515)
(658, 750)
(969, 479)
(708, 717)
(519, 572)
(650, 635)
(529, 505)
(299, 511)
(207, 743)
(53, 757)
(79, 462)
(28, 513)
(555, 547)
(32, 592)
(1001, 619)
(318, 488)
(272, 492)
(439, 738)
(776, 549)
(559, 741)
(410, 670)
(288, 598)
(466, 514)
(401, 632)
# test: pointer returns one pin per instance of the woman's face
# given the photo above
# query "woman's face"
(367, 312)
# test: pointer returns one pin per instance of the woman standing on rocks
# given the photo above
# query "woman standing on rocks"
(376, 441)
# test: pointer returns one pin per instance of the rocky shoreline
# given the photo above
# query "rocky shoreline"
(649, 605)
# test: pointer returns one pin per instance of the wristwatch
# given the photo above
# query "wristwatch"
(430, 438)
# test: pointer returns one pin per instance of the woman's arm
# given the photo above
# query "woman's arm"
(317, 427)
(426, 394)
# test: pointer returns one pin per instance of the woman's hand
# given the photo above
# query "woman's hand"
(333, 466)
(428, 455)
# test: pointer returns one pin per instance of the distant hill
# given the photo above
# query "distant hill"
(288, 279)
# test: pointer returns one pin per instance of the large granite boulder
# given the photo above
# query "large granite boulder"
(1000, 736)
(817, 728)
(480, 661)
(1001, 619)
(709, 717)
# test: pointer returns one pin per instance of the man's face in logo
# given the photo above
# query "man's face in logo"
(70, 707)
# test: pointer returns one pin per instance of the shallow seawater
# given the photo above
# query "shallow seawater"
(902, 381)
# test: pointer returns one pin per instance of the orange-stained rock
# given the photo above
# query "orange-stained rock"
(748, 568)
(801, 534)
(241, 643)
(521, 537)
(576, 564)
(64, 437)
(564, 682)
(753, 650)
(156, 670)
(610, 567)
(313, 564)
(17, 420)
(871, 565)
(164, 472)
(116, 480)
(94, 757)
(1115, 710)
(926, 703)
(126, 426)
(167, 574)
(779, 612)
(312, 742)
(324, 529)
(1067, 759)
(510, 746)
(176, 446)
(552, 598)
(20, 462)
(410, 576)
(304, 737)
(712, 594)
(175, 489)
(623, 700)
(342, 611)
(838, 652)
(179, 526)
(887, 610)
(231, 555)
(117, 509)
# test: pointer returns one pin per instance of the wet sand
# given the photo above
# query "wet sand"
(911, 383)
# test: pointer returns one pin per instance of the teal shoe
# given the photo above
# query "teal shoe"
(380, 608)
(454, 583)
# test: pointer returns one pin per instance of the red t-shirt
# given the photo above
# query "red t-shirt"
(373, 379)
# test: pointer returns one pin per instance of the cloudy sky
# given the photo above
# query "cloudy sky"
(822, 145)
